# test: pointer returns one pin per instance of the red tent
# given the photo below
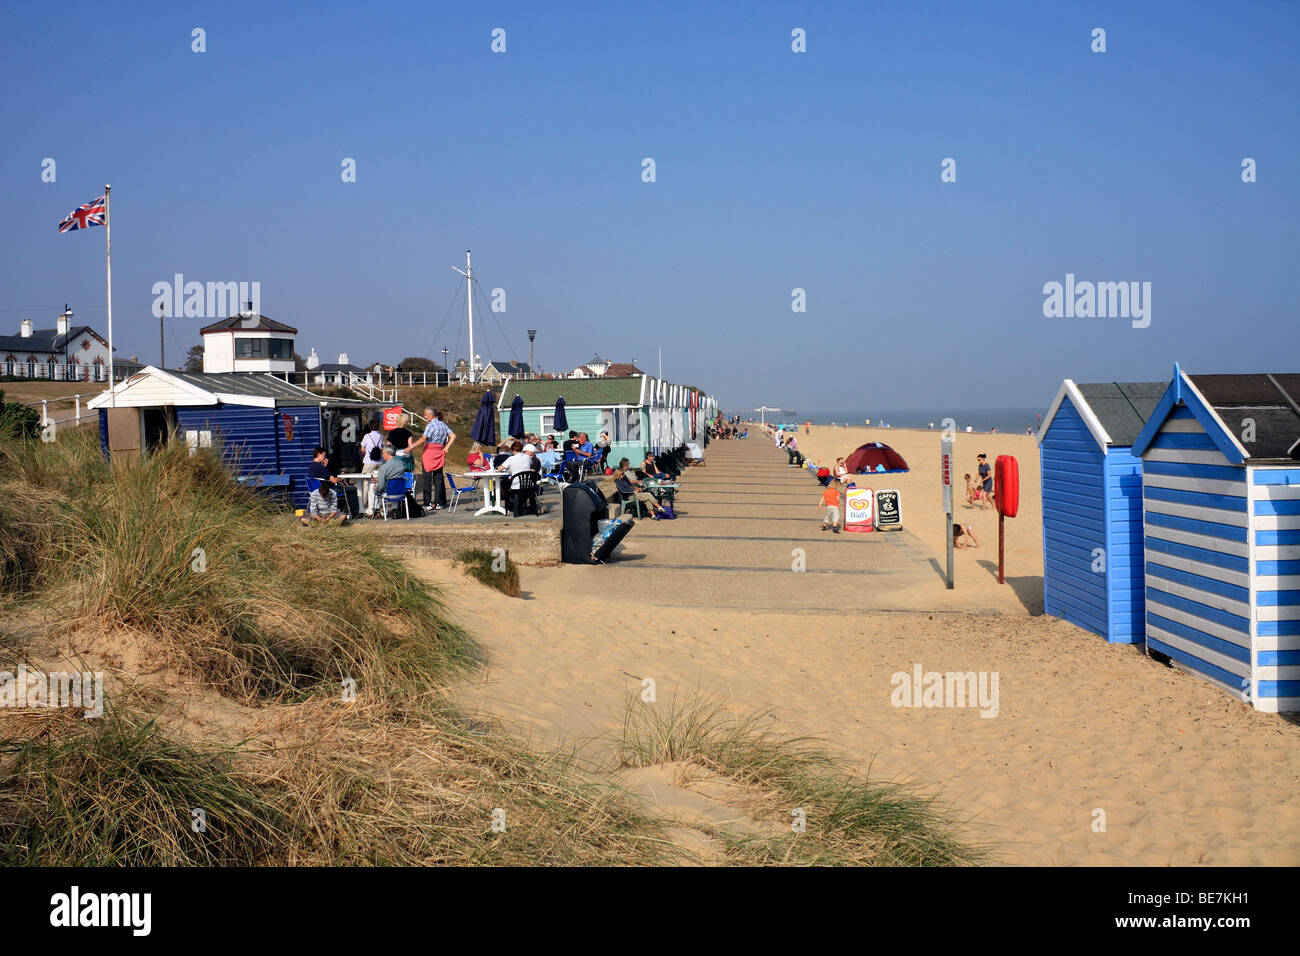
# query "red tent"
(868, 456)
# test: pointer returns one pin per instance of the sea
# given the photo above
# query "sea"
(1013, 420)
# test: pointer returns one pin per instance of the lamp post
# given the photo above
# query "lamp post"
(162, 344)
(532, 334)
(445, 369)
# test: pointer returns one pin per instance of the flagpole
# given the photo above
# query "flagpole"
(108, 267)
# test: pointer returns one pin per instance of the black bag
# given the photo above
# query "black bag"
(416, 510)
(376, 453)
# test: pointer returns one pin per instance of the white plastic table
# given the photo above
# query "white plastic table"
(368, 499)
(494, 497)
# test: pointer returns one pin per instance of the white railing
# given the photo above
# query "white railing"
(44, 404)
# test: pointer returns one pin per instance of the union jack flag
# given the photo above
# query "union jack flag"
(83, 217)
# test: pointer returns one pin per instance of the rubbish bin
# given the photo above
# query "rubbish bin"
(583, 506)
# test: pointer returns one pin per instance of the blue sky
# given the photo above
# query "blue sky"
(775, 170)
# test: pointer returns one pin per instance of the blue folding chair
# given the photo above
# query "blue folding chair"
(395, 490)
(313, 484)
(458, 490)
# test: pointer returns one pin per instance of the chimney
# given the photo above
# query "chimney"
(343, 358)
(312, 361)
(27, 329)
(63, 321)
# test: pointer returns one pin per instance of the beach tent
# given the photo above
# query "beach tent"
(1092, 506)
(875, 457)
(1221, 501)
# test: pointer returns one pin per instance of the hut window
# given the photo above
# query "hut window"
(548, 423)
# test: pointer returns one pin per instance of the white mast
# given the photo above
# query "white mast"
(469, 298)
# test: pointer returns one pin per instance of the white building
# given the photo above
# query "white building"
(64, 353)
(248, 342)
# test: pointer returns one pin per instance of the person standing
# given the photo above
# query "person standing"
(831, 499)
(986, 479)
(400, 439)
(437, 440)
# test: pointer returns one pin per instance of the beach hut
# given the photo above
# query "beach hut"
(264, 425)
(1092, 505)
(640, 413)
(1221, 501)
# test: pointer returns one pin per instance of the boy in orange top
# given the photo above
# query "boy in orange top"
(831, 499)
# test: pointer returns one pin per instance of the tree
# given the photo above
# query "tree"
(17, 420)
(194, 359)
(415, 363)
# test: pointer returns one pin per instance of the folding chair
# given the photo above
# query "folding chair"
(395, 491)
(458, 490)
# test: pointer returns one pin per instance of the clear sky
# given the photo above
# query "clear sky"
(775, 170)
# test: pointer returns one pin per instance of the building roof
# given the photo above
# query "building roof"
(510, 368)
(1229, 407)
(171, 387)
(619, 369)
(246, 322)
(576, 392)
(44, 340)
(1272, 401)
(1123, 407)
(1114, 412)
(336, 367)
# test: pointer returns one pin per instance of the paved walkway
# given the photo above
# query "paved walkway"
(744, 519)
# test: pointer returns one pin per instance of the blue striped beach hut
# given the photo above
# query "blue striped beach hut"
(1221, 508)
(1092, 506)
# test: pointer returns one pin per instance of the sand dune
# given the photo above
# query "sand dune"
(1183, 774)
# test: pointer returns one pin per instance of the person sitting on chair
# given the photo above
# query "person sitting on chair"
(650, 469)
(392, 467)
(477, 460)
(628, 485)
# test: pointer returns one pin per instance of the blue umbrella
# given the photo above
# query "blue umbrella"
(561, 423)
(485, 422)
(517, 417)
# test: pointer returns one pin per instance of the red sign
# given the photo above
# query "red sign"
(945, 468)
(393, 418)
(288, 428)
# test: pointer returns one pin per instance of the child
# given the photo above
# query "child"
(962, 536)
(972, 493)
(831, 499)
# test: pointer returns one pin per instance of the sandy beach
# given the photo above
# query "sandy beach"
(1097, 755)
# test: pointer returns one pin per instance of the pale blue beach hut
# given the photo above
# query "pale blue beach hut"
(1092, 506)
(1221, 506)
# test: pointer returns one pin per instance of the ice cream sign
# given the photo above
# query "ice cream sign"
(859, 509)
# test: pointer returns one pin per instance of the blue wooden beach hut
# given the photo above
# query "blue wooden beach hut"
(264, 425)
(1092, 506)
(1221, 503)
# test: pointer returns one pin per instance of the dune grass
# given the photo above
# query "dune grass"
(849, 820)
(481, 564)
(234, 591)
(234, 594)
(116, 790)
(275, 621)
